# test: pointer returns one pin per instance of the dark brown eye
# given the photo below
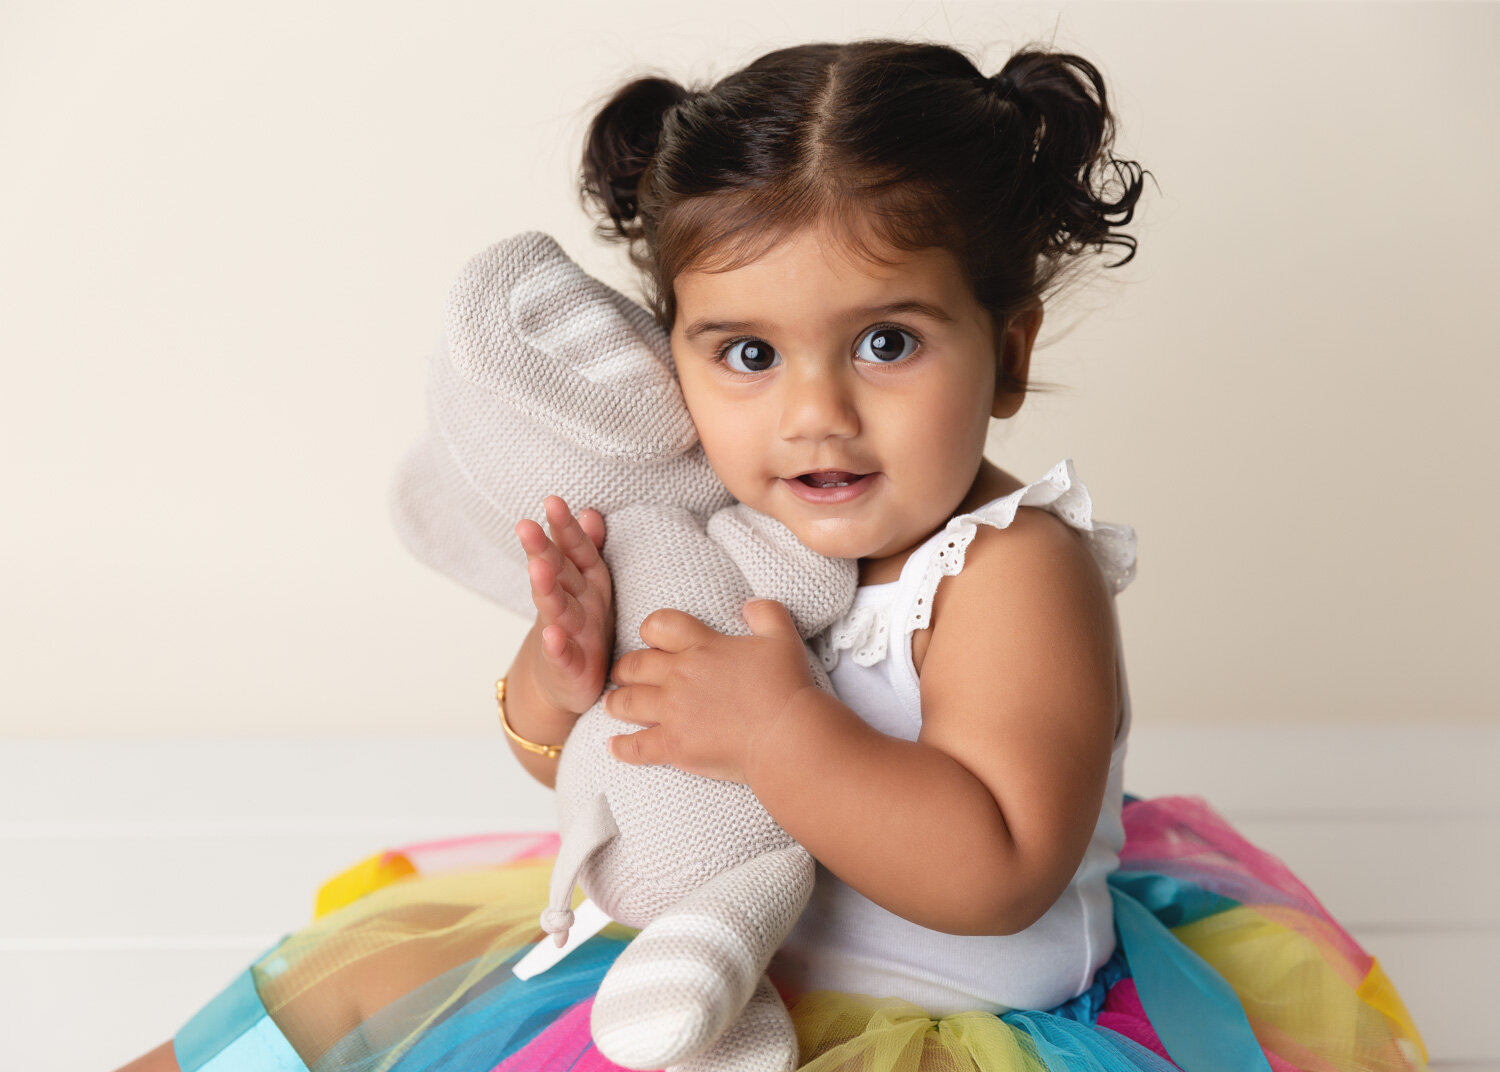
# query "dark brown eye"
(886, 346)
(749, 355)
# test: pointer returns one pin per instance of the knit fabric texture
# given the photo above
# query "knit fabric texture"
(547, 381)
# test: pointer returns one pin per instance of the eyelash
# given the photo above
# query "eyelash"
(724, 349)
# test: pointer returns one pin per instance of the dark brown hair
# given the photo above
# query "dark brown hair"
(909, 138)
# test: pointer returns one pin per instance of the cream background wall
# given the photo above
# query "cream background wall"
(226, 232)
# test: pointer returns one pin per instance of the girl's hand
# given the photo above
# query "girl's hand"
(575, 607)
(710, 700)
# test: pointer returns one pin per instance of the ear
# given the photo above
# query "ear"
(1013, 360)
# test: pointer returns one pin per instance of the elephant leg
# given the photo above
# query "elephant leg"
(763, 1039)
(686, 977)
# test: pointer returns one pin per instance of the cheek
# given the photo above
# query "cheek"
(719, 445)
(728, 437)
(944, 418)
(700, 406)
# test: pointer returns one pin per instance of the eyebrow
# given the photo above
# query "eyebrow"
(905, 305)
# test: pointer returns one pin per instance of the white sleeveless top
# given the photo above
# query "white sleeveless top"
(843, 940)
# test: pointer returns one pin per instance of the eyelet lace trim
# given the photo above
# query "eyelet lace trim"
(862, 631)
(865, 629)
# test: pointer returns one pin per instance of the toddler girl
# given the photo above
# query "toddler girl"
(851, 245)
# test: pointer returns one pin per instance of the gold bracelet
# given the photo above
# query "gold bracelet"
(551, 751)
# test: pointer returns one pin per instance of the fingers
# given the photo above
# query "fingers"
(768, 618)
(580, 548)
(642, 748)
(554, 603)
(571, 552)
(633, 704)
(570, 587)
(562, 649)
(592, 522)
(539, 548)
(557, 566)
(644, 666)
(674, 630)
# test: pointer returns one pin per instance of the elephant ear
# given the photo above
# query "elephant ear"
(550, 341)
(545, 381)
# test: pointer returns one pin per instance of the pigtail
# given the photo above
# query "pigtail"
(618, 150)
(1068, 131)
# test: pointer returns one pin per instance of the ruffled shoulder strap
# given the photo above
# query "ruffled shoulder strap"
(869, 627)
(1061, 492)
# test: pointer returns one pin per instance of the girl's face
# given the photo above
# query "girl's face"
(811, 360)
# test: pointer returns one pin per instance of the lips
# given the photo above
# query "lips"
(826, 487)
(827, 478)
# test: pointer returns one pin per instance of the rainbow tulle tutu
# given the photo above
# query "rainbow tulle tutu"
(1225, 963)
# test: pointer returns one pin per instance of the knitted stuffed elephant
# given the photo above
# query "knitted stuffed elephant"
(546, 382)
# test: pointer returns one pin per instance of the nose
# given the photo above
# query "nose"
(818, 403)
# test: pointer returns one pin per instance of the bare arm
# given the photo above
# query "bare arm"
(978, 826)
(532, 714)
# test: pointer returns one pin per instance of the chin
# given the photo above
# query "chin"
(831, 544)
(831, 537)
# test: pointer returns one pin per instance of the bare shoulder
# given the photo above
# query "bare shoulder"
(1038, 558)
(1019, 685)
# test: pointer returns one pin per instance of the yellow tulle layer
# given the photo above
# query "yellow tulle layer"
(1303, 1005)
(442, 934)
(847, 1033)
(333, 975)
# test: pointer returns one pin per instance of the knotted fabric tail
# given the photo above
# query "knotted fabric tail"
(591, 829)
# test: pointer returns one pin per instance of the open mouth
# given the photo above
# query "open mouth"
(830, 487)
(831, 478)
